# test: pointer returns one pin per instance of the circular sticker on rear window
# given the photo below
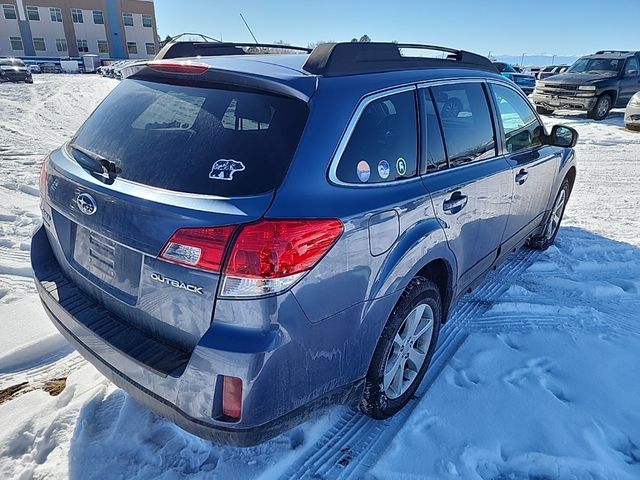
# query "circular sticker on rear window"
(383, 169)
(401, 166)
(364, 171)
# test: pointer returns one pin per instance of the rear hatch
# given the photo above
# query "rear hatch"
(155, 158)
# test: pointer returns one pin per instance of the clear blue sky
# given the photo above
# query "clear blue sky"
(572, 27)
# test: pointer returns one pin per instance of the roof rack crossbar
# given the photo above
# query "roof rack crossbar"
(331, 59)
(600, 52)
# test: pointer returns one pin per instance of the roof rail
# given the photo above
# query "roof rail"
(600, 52)
(331, 59)
(216, 48)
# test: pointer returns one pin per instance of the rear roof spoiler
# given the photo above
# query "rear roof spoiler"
(332, 59)
(213, 48)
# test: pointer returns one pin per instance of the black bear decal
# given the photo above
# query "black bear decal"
(224, 169)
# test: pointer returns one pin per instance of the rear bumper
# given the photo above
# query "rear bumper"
(553, 102)
(185, 392)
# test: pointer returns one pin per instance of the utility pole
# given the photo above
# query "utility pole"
(522, 60)
(553, 60)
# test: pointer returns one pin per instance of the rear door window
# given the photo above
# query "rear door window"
(433, 154)
(466, 122)
(384, 144)
(212, 141)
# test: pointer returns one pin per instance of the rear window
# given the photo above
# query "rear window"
(209, 141)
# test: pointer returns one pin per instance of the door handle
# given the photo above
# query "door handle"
(456, 203)
(522, 176)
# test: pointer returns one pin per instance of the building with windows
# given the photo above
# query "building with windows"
(113, 29)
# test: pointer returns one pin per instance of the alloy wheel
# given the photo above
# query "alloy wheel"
(556, 214)
(409, 351)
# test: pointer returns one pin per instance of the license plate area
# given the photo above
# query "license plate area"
(113, 267)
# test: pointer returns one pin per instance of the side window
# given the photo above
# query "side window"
(466, 122)
(632, 67)
(433, 153)
(521, 126)
(384, 144)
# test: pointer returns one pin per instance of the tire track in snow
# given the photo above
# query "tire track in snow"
(355, 442)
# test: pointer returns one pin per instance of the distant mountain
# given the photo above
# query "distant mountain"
(536, 60)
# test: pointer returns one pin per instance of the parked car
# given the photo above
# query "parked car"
(551, 70)
(525, 81)
(34, 68)
(14, 70)
(198, 222)
(51, 68)
(595, 83)
(632, 113)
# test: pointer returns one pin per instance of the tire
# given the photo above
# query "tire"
(601, 109)
(543, 111)
(552, 223)
(378, 402)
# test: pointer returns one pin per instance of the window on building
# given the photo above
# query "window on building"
(76, 15)
(103, 46)
(9, 12)
(33, 14)
(98, 19)
(127, 18)
(151, 48)
(16, 43)
(61, 45)
(39, 45)
(132, 47)
(146, 20)
(83, 46)
(56, 14)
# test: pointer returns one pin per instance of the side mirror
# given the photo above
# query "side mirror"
(562, 136)
(632, 73)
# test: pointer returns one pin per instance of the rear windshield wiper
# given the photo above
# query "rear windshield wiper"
(102, 168)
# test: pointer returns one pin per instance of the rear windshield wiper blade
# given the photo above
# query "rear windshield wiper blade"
(102, 168)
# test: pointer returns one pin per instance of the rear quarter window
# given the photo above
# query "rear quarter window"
(383, 145)
(212, 141)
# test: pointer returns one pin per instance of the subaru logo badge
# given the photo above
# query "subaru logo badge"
(86, 204)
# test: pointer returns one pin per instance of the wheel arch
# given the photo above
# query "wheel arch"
(613, 94)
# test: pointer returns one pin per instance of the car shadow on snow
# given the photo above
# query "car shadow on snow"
(115, 437)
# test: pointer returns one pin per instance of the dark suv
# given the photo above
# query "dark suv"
(595, 83)
(14, 70)
(237, 241)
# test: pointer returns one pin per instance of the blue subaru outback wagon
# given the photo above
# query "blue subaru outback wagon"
(239, 240)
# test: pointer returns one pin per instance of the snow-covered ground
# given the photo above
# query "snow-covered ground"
(537, 375)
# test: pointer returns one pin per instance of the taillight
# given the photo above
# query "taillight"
(198, 247)
(189, 68)
(43, 177)
(271, 255)
(266, 257)
(232, 397)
